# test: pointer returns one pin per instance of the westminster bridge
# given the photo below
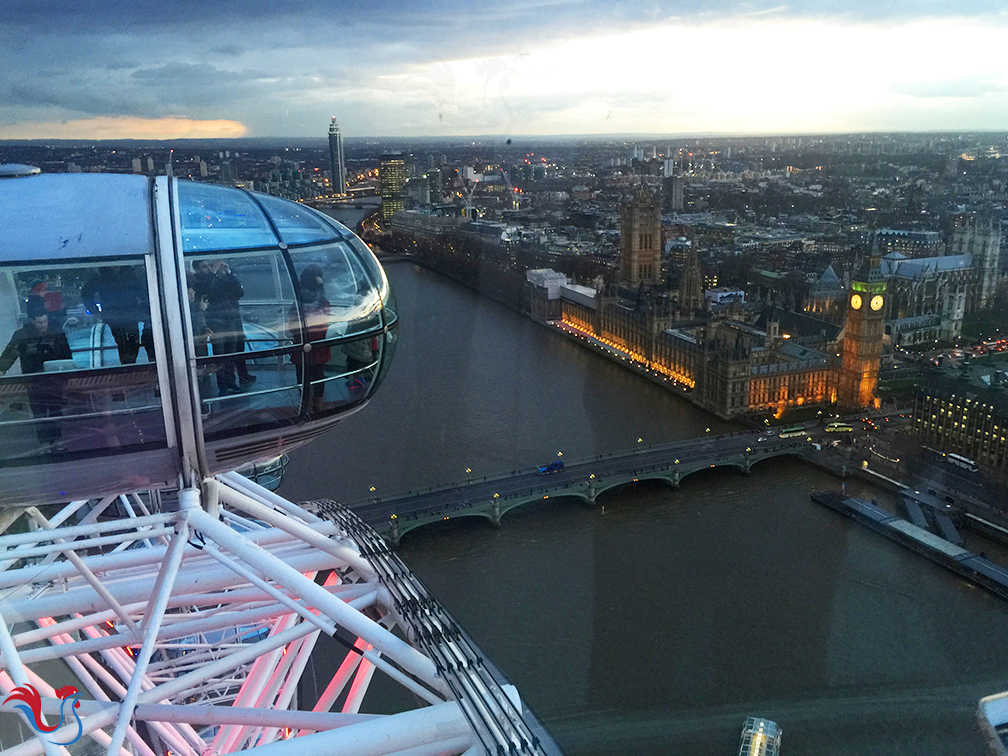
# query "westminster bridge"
(491, 497)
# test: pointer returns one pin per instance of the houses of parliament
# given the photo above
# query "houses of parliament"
(706, 343)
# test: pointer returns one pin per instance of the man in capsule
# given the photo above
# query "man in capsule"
(223, 317)
(35, 344)
(116, 295)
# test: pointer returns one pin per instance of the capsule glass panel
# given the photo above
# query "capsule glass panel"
(78, 373)
(247, 353)
(374, 269)
(219, 218)
(389, 341)
(341, 373)
(337, 293)
(296, 224)
(341, 312)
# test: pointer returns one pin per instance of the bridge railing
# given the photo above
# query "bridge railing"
(554, 485)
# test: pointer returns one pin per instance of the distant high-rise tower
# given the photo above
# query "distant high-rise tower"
(981, 237)
(862, 339)
(337, 163)
(691, 294)
(640, 238)
(674, 187)
(391, 181)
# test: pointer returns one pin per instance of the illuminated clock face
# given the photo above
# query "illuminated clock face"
(876, 302)
(855, 301)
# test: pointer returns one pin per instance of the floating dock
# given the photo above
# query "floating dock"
(964, 563)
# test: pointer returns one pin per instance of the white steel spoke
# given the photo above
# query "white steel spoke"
(152, 624)
(207, 616)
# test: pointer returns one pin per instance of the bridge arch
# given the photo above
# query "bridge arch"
(800, 453)
(685, 472)
(408, 526)
(507, 507)
(661, 477)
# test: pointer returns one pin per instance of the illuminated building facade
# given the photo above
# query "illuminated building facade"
(726, 367)
(862, 339)
(337, 162)
(964, 417)
(909, 243)
(640, 238)
(391, 183)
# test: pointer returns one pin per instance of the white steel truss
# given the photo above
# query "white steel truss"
(188, 624)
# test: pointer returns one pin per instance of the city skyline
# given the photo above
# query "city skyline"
(226, 69)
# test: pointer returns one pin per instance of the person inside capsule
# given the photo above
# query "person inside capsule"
(316, 315)
(116, 295)
(223, 290)
(35, 344)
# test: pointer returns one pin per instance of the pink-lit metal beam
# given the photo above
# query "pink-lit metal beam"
(151, 626)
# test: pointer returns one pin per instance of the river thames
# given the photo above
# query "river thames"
(656, 624)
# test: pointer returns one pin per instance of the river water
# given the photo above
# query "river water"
(657, 624)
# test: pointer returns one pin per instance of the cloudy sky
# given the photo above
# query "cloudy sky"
(135, 68)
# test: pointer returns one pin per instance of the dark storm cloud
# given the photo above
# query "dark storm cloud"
(413, 21)
(199, 74)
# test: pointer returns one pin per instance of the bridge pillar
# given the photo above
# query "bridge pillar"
(496, 519)
(675, 478)
(591, 492)
(748, 465)
(395, 532)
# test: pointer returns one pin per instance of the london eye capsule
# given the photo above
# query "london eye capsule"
(157, 331)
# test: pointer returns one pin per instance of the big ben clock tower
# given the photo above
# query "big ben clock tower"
(862, 341)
